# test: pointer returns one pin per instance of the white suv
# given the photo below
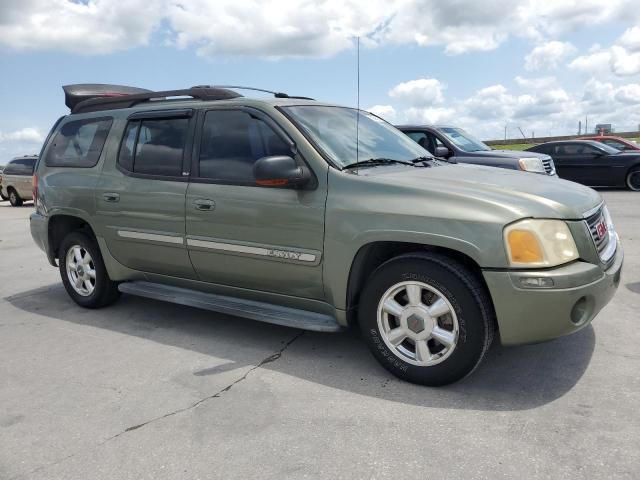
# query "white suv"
(17, 177)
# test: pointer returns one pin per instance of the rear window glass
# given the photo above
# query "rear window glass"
(78, 143)
(22, 166)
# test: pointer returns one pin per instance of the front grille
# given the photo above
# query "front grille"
(549, 167)
(601, 235)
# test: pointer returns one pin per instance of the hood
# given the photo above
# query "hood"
(509, 154)
(520, 193)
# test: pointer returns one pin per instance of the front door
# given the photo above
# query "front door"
(243, 235)
(140, 200)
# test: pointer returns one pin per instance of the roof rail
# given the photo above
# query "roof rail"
(240, 87)
(108, 97)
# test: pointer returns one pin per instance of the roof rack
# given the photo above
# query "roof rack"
(240, 87)
(84, 98)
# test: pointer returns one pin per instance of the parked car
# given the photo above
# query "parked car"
(455, 144)
(16, 180)
(593, 163)
(616, 142)
(270, 209)
(2, 197)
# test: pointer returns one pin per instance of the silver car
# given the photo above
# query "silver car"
(17, 179)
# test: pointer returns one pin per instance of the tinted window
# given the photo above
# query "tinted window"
(154, 147)
(614, 144)
(231, 143)
(78, 143)
(23, 166)
(426, 140)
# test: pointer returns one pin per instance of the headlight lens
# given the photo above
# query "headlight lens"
(539, 243)
(531, 165)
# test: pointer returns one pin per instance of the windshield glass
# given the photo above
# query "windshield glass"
(333, 129)
(607, 148)
(463, 140)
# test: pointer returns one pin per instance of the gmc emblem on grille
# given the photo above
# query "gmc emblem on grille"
(601, 228)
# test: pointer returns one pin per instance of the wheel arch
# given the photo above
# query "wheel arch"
(59, 226)
(371, 255)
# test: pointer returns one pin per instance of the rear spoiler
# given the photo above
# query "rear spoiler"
(74, 94)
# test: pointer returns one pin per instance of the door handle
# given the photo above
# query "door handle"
(204, 204)
(111, 197)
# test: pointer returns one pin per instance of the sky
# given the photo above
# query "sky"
(487, 66)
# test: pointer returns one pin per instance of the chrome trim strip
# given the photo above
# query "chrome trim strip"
(155, 237)
(593, 211)
(278, 253)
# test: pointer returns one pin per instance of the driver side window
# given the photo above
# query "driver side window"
(232, 141)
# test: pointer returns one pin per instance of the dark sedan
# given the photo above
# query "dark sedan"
(593, 163)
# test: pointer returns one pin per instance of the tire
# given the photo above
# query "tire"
(3, 198)
(14, 198)
(100, 291)
(463, 316)
(633, 179)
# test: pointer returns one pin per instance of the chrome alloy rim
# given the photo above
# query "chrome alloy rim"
(81, 270)
(633, 181)
(417, 323)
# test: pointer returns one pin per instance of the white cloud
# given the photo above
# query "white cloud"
(597, 62)
(535, 83)
(25, 135)
(92, 27)
(544, 108)
(631, 38)
(548, 55)
(622, 59)
(297, 28)
(384, 111)
(421, 92)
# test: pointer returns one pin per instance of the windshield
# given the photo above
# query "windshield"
(333, 129)
(608, 148)
(463, 140)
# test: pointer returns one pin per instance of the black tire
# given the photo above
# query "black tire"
(464, 292)
(105, 291)
(14, 198)
(633, 179)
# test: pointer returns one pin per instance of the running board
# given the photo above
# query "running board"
(260, 311)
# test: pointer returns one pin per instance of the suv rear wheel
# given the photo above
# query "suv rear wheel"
(14, 198)
(83, 272)
(426, 318)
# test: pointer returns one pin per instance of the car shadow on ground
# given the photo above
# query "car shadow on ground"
(515, 378)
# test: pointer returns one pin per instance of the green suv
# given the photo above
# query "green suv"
(301, 213)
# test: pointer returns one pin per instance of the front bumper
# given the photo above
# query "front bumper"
(530, 315)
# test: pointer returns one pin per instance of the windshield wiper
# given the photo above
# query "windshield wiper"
(376, 161)
(423, 159)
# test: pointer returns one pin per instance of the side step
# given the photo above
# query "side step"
(260, 311)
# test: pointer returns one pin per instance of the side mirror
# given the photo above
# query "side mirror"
(280, 171)
(442, 152)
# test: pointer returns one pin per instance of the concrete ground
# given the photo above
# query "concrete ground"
(148, 390)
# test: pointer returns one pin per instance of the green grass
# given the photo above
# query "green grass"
(517, 146)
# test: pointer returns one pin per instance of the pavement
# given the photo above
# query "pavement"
(149, 390)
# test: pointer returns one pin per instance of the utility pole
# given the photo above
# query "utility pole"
(586, 120)
(505, 132)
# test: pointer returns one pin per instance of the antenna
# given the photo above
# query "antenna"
(358, 99)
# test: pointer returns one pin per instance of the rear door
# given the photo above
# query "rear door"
(140, 197)
(243, 235)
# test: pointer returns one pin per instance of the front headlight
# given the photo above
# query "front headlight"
(531, 165)
(539, 243)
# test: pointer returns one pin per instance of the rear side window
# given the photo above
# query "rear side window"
(154, 146)
(78, 143)
(232, 141)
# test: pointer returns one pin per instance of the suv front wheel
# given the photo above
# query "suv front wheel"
(426, 318)
(83, 272)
